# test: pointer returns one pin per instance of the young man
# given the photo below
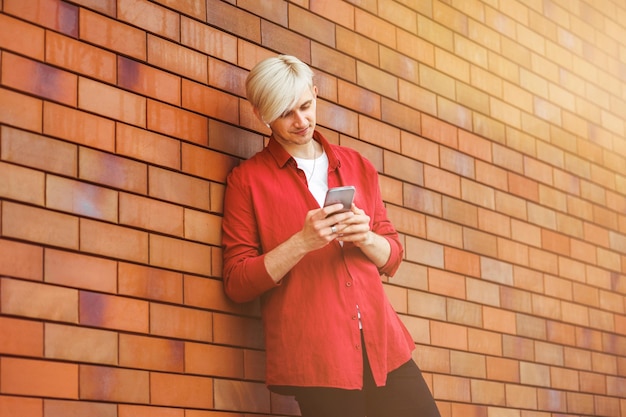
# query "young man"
(332, 338)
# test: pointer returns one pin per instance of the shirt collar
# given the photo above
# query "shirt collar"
(282, 157)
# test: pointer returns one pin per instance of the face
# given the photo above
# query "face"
(295, 126)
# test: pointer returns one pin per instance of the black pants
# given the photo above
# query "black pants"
(405, 395)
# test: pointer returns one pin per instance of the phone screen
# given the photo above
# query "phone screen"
(343, 195)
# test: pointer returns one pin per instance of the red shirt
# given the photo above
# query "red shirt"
(310, 319)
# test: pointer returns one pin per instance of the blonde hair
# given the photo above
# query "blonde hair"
(275, 85)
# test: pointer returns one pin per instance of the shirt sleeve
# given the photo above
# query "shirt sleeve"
(245, 275)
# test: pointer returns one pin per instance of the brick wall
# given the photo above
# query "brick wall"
(498, 129)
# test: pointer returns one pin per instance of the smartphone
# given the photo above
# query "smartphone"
(343, 195)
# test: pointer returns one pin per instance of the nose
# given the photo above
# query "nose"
(299, 118)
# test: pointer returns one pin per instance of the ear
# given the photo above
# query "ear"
(258, 116)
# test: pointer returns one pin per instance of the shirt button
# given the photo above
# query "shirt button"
(357, 347)
(348, 284)
(354, 317)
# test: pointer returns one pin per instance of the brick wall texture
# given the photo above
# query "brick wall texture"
(498, 128)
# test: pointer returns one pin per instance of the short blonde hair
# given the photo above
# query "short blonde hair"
(275, 85)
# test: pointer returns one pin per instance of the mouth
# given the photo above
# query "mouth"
(303, 132)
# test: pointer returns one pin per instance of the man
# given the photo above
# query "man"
(332, 338)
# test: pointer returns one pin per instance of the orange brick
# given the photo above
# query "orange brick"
(64, 408)
(22, 184)
(242, 396)
(178, 59)
(129, 410)
(203, 227)
(210, 102)
(451, 388)
(113, 312)
(52, 14)
(442, 181)
(29, 299)
(309, 24)
(209, 293)
(176, 122)
(479, 242)
(112, 34)
(180, 255)
(151, 353)
(38, 151)
(21, 406)
(425, 252)
(32, 77)
(181, 323)
(151, 17)
(111, 102)
(179, 188)
(147, 146)
(113, 241)
(20, 110)
(38, 225)
(206, 359)
(150, 283)
(194, 162)
(238, 21)
(403, 168)
(448, 335)
(112, 170)
(208, 40)
(70, 269)
(479, 194)
(237, 331)
(21, 337)
(82, 199)
(399, 115)
(100, 383)
(499, 320)
(39, 378)
(462, 262)
(80, 57)
(341, 13)
(181, 390)
(79, 344)
(368, 103)
(31, 41)
(78, 127)
(148, 81)
(520, 396)
(503, 369)
(150, 214)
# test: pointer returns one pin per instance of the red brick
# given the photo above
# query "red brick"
(111, 102)
(151, 17)
(221, 361)
(148, 81)
(208, 40)
(176, 122)
(181, 322)
(38, 225)
(21, 406)
(112, 312)
(147, 146)
(38, 151)
(235, 20)
(180, 255)
(22, 184)
(112, 34)
(39, 378)
(29, 43)
(210, 102)
(79, 344)
(78, 127)
(29, 299)
(81, 198)
(181, 390)
(39, 79)
(69, 269)
(52, 14)
(334, 62)
(79, 57)
(113, 241)
(203, 227)
(150, 283)
(63, 408)
(140, 352)
(19, 110)
(21, 337)
(102, 383)
(209, 293)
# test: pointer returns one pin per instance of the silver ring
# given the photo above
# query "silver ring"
(333, 229)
